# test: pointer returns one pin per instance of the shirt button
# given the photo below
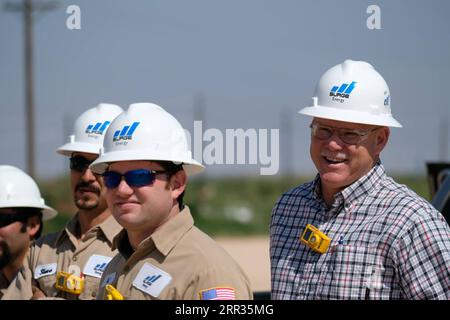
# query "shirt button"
(93, 294)
(74, 258)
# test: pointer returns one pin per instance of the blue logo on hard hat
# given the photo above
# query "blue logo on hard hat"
(126, 133)
(343, 90)
(98, 128)
(386, 101)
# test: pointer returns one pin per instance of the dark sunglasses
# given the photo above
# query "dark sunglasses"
(79, 163)
(134, 178)
(8, 218)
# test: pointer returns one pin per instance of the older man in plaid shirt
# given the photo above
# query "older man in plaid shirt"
(385, 242)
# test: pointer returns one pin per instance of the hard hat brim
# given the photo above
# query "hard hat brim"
(70, 148)
(100, 165)
(353, 116)
(47, 212)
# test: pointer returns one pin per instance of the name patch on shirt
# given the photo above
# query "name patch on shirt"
(96, 265)
(44, 270)
(151, 280)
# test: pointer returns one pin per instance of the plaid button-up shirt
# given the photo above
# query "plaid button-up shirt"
(386, 243)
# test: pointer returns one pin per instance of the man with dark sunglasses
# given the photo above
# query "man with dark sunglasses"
(145, 164)
(353, 232)
(22, 211)
(68, 264)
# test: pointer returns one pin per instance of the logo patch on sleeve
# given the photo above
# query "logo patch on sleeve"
(151, 280)
(96, 265)
(44, 270)
(218, 293)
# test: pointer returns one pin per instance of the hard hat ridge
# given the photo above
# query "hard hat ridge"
(352, 91)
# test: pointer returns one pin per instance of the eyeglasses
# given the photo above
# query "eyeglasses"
(79, 163)
(134, 178)
(8, 218)
(347, 136)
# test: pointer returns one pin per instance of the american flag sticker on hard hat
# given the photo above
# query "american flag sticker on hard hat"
(219, 293)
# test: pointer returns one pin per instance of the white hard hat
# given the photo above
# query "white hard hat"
(89, 129)
(18, 189)
(146, 132)
(352, 91)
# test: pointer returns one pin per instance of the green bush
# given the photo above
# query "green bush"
(220, 206)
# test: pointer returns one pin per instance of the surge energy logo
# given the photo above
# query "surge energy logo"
(126, 133)
(98, 128)
(339, 93)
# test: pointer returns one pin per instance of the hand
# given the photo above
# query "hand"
(37, 293)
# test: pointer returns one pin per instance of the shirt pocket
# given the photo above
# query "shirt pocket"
(348, 273)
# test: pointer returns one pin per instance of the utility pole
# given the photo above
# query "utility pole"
(27, 7)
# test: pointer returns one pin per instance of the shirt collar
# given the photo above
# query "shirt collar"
(69, 230)
(164, 239)
(359, 189)
(109, 228)
(122, 244)
(317, 190)
(171, 232)
(355, 192)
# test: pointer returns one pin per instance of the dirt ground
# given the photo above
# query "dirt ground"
(252, 254)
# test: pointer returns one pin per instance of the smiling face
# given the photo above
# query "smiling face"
(340, 164)
(143, 209)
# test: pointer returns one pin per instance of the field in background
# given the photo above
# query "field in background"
(221, 207)
(234, 211)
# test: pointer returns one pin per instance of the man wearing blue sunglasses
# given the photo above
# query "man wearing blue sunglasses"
(68, 264)
(145, 163)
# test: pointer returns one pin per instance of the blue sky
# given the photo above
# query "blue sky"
(251, 60)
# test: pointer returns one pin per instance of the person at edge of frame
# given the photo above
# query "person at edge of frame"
(22, 212)
(68, 264)
(353, 232)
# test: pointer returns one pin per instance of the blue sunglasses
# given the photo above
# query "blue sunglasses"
(134, 178)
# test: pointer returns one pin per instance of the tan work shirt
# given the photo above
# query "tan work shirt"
(178, 261)
(62, 251)
(4, 283)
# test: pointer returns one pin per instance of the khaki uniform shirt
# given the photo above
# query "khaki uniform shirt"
(4, 283)
(178, 261)
(62, 251)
